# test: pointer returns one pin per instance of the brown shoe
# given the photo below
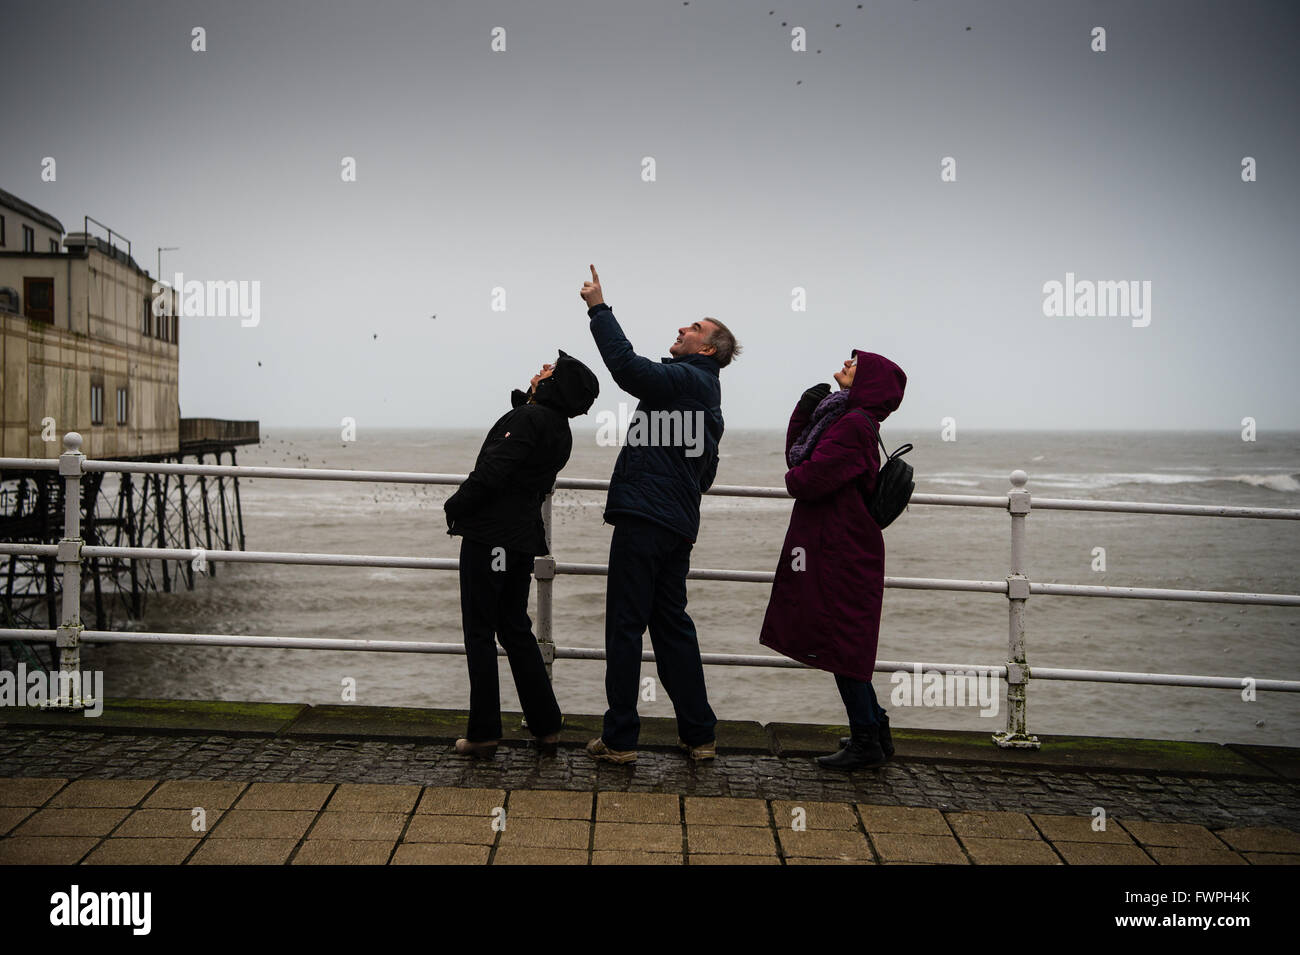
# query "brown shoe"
(484, 750)
(703, 751)
(597, 749)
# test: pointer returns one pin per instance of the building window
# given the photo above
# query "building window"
(38, 298)
(2, 230)
(147, 327)
(96, 404)
(29, 239)
(121, 406)
(54, 245)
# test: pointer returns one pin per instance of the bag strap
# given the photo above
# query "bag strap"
(874, 427)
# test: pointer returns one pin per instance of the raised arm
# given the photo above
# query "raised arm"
(638, 376)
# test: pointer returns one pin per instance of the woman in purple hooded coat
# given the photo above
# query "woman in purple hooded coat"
(825, 605)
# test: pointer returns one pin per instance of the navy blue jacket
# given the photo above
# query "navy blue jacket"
(661, 484)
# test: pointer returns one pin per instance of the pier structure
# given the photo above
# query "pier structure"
(90, 342)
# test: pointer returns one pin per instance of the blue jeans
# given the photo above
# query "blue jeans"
(859, 698)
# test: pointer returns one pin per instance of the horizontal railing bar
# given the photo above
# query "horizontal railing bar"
(1158, 593)
(699, 573)
(591, 484)
(1142, 507)
(1159, 679)
(593, 653)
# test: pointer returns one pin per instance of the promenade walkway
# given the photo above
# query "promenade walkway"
(298, 784)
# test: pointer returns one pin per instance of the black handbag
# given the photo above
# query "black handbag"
(894, 483)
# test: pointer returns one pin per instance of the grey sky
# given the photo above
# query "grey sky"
(478, 169)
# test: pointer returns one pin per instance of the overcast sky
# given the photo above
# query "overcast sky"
(775, 170)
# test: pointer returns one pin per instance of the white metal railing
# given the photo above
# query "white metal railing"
(71, 550)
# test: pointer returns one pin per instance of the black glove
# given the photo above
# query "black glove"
(813, 397)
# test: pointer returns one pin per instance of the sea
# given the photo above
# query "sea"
(935, 541)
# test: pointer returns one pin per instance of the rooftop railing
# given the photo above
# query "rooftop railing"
(1016, 587)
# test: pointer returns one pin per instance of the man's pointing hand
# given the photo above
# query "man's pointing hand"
(591, 291)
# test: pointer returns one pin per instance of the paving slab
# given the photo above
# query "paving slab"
(730, 840)
(517, 855)
(45, 850)
(141, 852)
(285, 796)
(1177, 855)
(347, 826)
(461, 830)
(631, 836)
(243, 852)
(638, 807)
(914, 847)
(550, 804)
(343, 852)
(1268, 858)
(103, 793)
(704, 858)
(71, 822)
(546, 834)
(909, 819)
(992, 825)
(165, 824)
(1079, 829)
(985, 851)
(11, 816)
(1101, 853)
(263, 824)
(815, 815)
(1261, 839)
(623, 857)
(826, 844)
(376, 797)
(28, 792)
(429, 853)
(726, 811)
(206, 794)
(1180, 834)
(450, 800)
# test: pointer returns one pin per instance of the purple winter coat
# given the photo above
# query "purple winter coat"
(827, 615)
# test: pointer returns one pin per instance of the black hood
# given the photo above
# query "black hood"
(571, 389)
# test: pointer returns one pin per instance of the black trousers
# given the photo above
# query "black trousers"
(494, 584)
(647, 588)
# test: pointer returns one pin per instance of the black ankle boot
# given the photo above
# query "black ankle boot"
(886, 741)
(862, 752)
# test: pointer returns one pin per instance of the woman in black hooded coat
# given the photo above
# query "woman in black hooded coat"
(497, 512)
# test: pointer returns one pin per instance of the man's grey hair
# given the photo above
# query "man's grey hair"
(725, 343)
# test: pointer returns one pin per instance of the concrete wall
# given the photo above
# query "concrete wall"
(97, 337)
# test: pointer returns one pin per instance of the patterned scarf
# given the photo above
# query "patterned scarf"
(826, 414)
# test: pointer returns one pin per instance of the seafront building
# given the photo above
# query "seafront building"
(85, 348)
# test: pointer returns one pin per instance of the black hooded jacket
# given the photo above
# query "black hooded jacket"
(500, 502)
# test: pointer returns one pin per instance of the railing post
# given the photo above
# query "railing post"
(71, 695)
(1016, 735)
(544, 571)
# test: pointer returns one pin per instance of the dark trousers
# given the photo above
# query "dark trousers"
(494, 601)
(859, 697)
(647, 588)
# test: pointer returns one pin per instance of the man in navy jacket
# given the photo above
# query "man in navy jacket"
(654, 505)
